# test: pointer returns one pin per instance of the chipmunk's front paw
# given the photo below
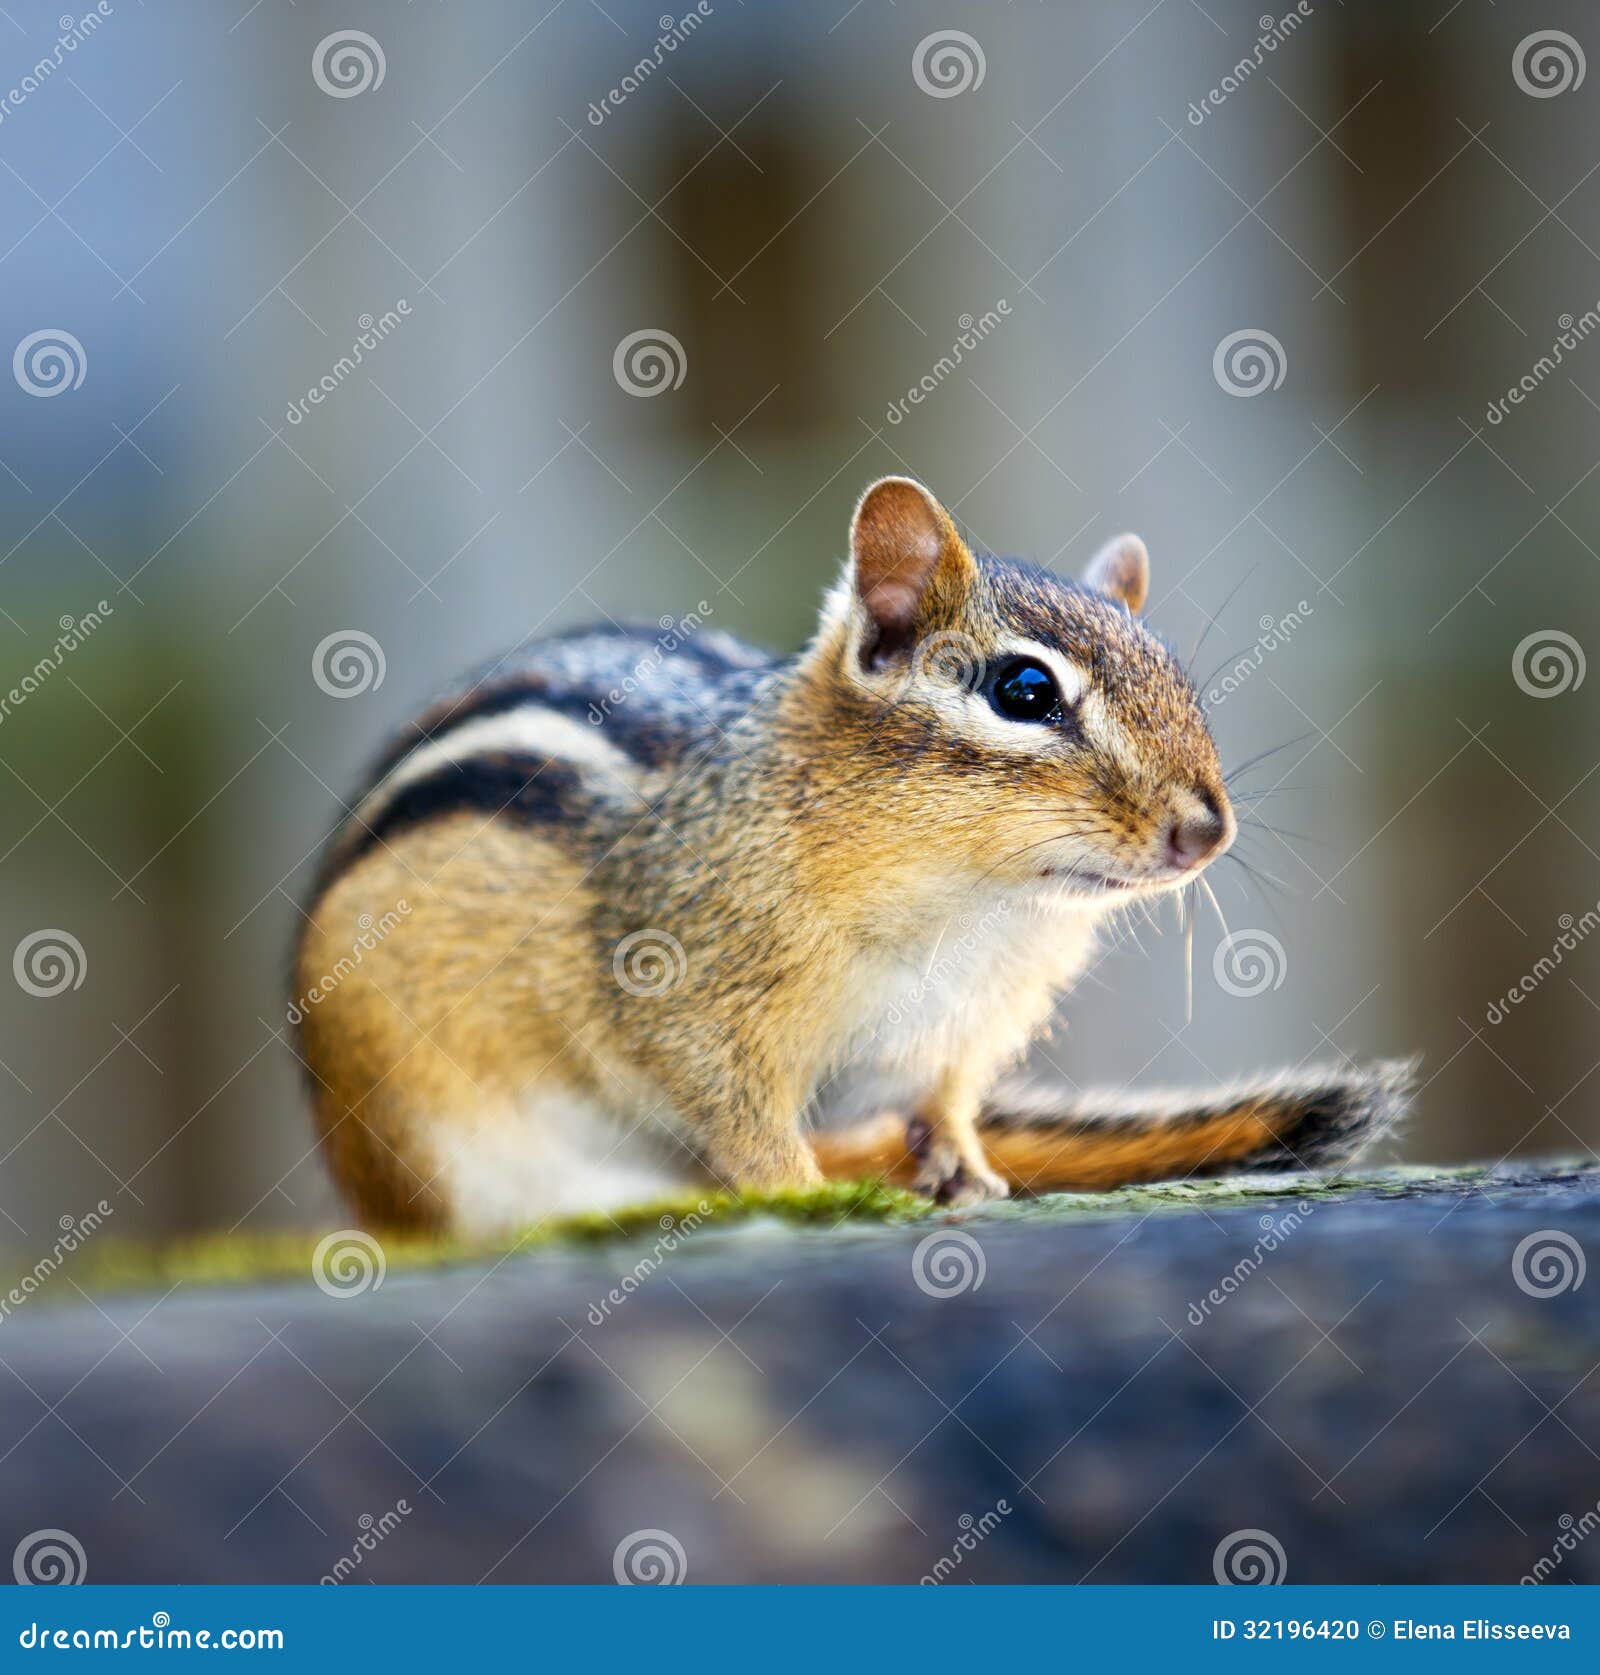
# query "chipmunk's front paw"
(949, 1176)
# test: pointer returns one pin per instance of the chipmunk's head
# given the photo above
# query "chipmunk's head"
(1026, 728)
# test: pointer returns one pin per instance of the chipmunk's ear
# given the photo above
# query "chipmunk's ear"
(1121, 571)
(905, 556)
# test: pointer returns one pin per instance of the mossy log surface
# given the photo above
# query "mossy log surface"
(1380, 1387)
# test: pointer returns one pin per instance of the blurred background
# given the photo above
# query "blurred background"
(1249, 285)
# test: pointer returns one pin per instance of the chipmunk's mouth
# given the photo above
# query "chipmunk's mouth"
(1092, 884)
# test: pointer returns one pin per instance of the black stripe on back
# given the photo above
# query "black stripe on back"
(528, 788)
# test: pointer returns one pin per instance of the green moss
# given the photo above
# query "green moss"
(110, 1264)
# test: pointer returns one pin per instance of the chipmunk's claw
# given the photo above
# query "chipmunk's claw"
(947, 1176)
(963, 1186)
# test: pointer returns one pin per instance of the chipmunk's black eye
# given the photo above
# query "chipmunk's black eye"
(1024, 690)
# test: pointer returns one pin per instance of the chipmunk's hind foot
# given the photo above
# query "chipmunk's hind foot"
(943, 1173)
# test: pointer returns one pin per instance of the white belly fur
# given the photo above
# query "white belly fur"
(559, 1154)
(916, 1012)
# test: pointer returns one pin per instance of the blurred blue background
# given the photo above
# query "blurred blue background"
(813, 202)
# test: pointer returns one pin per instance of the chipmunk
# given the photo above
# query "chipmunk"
(651, 900)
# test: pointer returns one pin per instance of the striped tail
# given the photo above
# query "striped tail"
(1316, 1119)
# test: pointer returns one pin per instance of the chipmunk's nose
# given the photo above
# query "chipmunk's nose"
(1196, 837)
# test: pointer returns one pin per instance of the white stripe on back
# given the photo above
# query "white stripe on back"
(530, 730)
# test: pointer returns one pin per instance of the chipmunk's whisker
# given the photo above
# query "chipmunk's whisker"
(1216, 906)
(1027, 848)
(1211, 623)
(1273, 791)
(1254, 824)
(1262, 756)
(1256, 874)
